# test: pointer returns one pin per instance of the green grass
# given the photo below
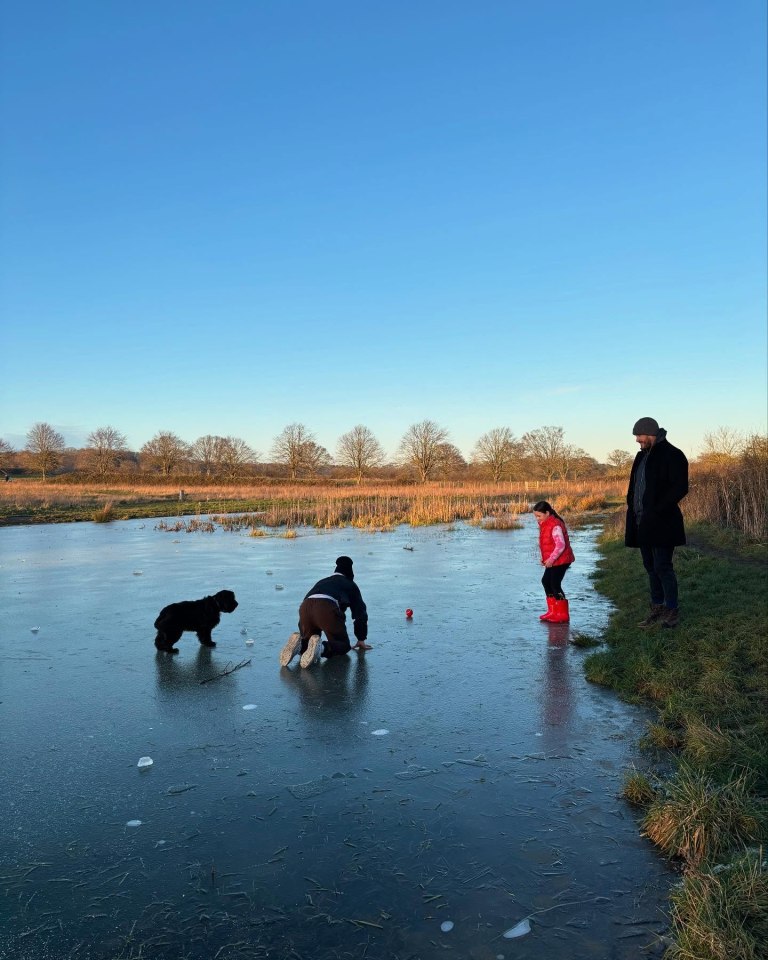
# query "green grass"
(722, 913)
(708, 682)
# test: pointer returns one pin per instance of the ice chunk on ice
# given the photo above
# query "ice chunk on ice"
(249, 642)
(379, 733)
(519, 930)
(446, 926)
(414, 772)
(144, 763)
(279, 586)
(133, 823)
(249, 706)
(312, 788)
(34, 629)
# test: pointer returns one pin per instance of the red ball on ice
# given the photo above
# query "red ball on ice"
(409, 613)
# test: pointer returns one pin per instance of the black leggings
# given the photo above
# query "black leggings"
(552, 581)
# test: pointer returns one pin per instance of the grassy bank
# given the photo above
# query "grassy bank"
(704, 795)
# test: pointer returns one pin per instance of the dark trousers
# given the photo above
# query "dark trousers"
(661, 575)
(552, 581)
(324, 616)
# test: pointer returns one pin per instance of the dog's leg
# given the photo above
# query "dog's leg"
(204, 636)
(165, 640)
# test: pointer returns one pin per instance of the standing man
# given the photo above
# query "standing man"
(657, 483)
(323, 611)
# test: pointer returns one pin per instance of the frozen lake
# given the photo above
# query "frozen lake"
(277, 818)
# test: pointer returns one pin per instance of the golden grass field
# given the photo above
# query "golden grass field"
(377, 505)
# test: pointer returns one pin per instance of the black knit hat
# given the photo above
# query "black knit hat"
(647, 427)
(344, 565)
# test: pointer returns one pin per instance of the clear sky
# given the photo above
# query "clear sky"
(225, 217)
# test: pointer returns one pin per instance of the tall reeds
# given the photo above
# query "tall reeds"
(733, 496)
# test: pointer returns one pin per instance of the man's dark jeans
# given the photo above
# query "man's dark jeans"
(661, 575)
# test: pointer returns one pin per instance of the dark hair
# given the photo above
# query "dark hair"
(543, 507)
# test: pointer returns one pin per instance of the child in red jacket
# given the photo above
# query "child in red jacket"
(556, 557)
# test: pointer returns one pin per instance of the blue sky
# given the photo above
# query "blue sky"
(228, 217)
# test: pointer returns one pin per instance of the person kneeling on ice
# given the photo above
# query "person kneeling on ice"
(323, 611)
(556, 557)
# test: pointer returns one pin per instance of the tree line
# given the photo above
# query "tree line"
(424, 453)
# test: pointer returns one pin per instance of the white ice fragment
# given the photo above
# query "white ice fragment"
(379, 733)
(144, 762)
(249, 643)
(538, 734)
(519, 930)
(133, 823)
(160, 843)
(446, 926)
(34, 629)
(249, 706)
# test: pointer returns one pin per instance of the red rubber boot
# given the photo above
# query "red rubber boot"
(550, 609)
(561, 613)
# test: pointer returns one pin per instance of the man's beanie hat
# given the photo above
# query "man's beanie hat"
(344, 565)
(647, 427)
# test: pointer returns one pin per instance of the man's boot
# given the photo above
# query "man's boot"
(550, 609)
(656, 613)
(670, 618)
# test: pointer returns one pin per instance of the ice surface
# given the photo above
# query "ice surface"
(292, 830)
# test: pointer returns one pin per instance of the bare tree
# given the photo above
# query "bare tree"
(205, 452)
(619, 460)
(450, 462)
(6, 452)
(291, 448)
(496, 451)
(45, 446)
(106, 449)
(314, 458)
(723, 446)
(360, 450)
(234, 456)
(547, 452)
(164, 452)
(580, 465)
(420, 448)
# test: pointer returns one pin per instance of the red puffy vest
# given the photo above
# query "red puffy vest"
(547, 541)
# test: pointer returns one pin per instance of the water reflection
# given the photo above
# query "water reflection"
(337, 688)
(174, 676)
(180, 680)
(558, 698)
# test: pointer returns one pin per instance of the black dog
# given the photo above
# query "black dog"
(200, 616)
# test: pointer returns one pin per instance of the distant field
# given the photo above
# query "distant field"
(377, 505)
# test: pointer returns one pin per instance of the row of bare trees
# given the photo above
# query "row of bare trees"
(425, 451)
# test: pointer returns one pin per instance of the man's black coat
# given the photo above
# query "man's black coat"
(666, 483)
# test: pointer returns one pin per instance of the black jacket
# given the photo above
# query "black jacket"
(666, 483)
(347, 594)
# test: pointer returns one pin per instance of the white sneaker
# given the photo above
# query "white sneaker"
(291, 648)
(312, 653)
